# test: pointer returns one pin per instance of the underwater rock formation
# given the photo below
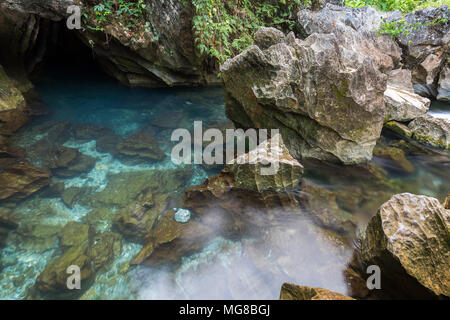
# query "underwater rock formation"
(409, 240)
(139, 147)
(324, 93)
(21, 179)
(83, 248)
(291, 291)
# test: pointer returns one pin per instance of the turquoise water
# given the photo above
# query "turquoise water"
(294, 249)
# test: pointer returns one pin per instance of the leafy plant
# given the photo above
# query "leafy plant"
(404, 6)
(399, 28)
(129, 13)
(223, 28)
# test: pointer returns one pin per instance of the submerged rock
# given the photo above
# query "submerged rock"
(136, 221)
(431, 130)
(162, 55)
(21, 179)
(8, 222)
(324, 93)
(139, 147)
(409, 240)
(397, 156)
(169, 240)
(80, 247)
(68, 162)
(291, 291)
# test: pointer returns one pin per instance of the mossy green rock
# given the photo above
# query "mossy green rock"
(399, 128)
(431, 130)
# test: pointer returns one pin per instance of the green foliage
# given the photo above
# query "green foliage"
(400, 28)
(223, 28)
(129, 13)
(404, 6)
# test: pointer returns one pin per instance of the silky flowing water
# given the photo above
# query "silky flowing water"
(225, 268)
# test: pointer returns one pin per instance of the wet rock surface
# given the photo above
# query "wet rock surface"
(83, 248)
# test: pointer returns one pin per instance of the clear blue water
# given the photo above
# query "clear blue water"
(225, 268)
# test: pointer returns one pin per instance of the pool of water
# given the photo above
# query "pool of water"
(294, 248)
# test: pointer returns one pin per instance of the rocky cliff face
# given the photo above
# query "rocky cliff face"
(325, 93)
(165, 56)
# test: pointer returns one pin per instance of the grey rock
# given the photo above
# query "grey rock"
(402, 103)
(426, 48)
(408, 239)
(324, 93)
(431, 130)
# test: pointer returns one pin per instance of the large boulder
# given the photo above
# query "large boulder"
(425, 48)
(81, 247)
(431, 130)
(409, 240)
(324, 93)
(402, 103)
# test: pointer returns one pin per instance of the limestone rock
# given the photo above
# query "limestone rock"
(75, 234)
(164, 56)
(291, 291)
(409, 240)
(397, 156)
(425, 48)
(324, 93)
(444, 84)
(8, 222)
(402, 103)
(139, 147)
(269, 166)
(431, 130)
(169, 240)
